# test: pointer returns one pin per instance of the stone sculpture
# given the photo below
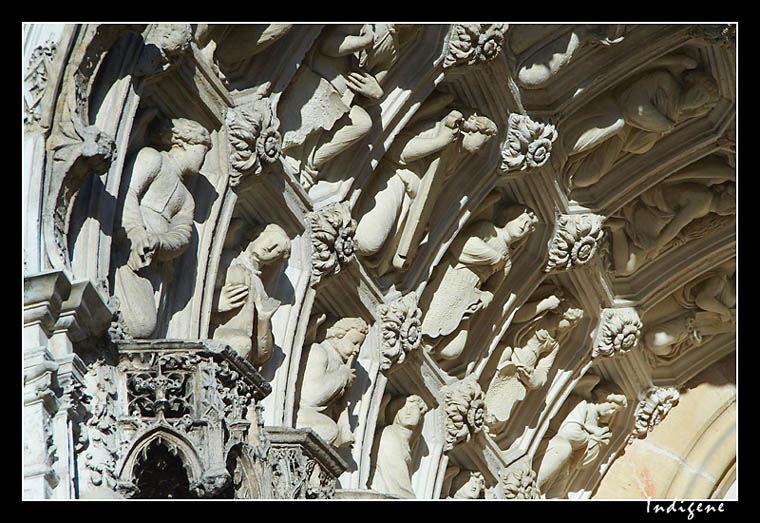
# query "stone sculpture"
(581, 434)
(635, 118)
(156, 220)
(342, 73)
(242, 309)
(524, 365)
(647, 225)
(229, 48)
(395, 445)
(537, 67)
(468, 484)
(705, 307)
(474, 267)
(396, 209)
(327, 377)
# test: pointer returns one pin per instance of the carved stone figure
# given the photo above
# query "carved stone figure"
(635, 118)
(536, 67)
(581, 435)
(156, 220)
(395, 210)
(706, 307)
(467, 484)
(343, 71)
(327, 377)
(229, 48)
(242, 309)
(544, 323)
(649, 224)
(395, 445)
(464, 283)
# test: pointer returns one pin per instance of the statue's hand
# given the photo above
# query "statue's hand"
(266, 306)
(142, 251)
(232, 296)
(364, 84)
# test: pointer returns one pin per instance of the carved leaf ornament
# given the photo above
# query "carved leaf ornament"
(528, 144)
(471, 44)
(576, 241)
(465, 410)
(332, 236)
(619, 333)
(400, 328)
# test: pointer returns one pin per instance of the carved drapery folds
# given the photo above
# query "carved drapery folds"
(400, 330)
(473, 44)
(575, 242)
(464, 411)
(528, 144)
(332, 239)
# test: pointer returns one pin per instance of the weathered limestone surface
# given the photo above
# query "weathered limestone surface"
(379, 261)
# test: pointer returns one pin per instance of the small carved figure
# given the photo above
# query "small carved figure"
(467, 485)
(581, 435)
(636, 118)
(707, 307)
(395, 212)
(327, 377)
(347, 61)
(537, 67)
(525, 364)
(464, 283)
(395, 446)
(156, 220)
(242, 309)
(651, 222)
(229, 48)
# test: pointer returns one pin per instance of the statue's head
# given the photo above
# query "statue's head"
(190, 139)
(518, 221)
(468, 485)
(348, 335)
(406, 411)
(477, 131)
(270, 244)
(700, 93)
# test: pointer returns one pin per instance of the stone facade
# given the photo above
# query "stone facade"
(379, 261)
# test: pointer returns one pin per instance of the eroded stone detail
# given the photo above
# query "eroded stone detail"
(254, 139)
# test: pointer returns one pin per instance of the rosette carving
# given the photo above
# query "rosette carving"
(400, 328)
(332, 238)
(253, 137)
(619, 332)
(652, 408)
(519, 481)
(464, 409)
(575, 241)
(528, 144)
(471, 44)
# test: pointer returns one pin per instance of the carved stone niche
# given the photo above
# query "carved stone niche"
(302, 465)
(174, 418)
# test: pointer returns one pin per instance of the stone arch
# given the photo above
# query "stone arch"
(176, 444)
